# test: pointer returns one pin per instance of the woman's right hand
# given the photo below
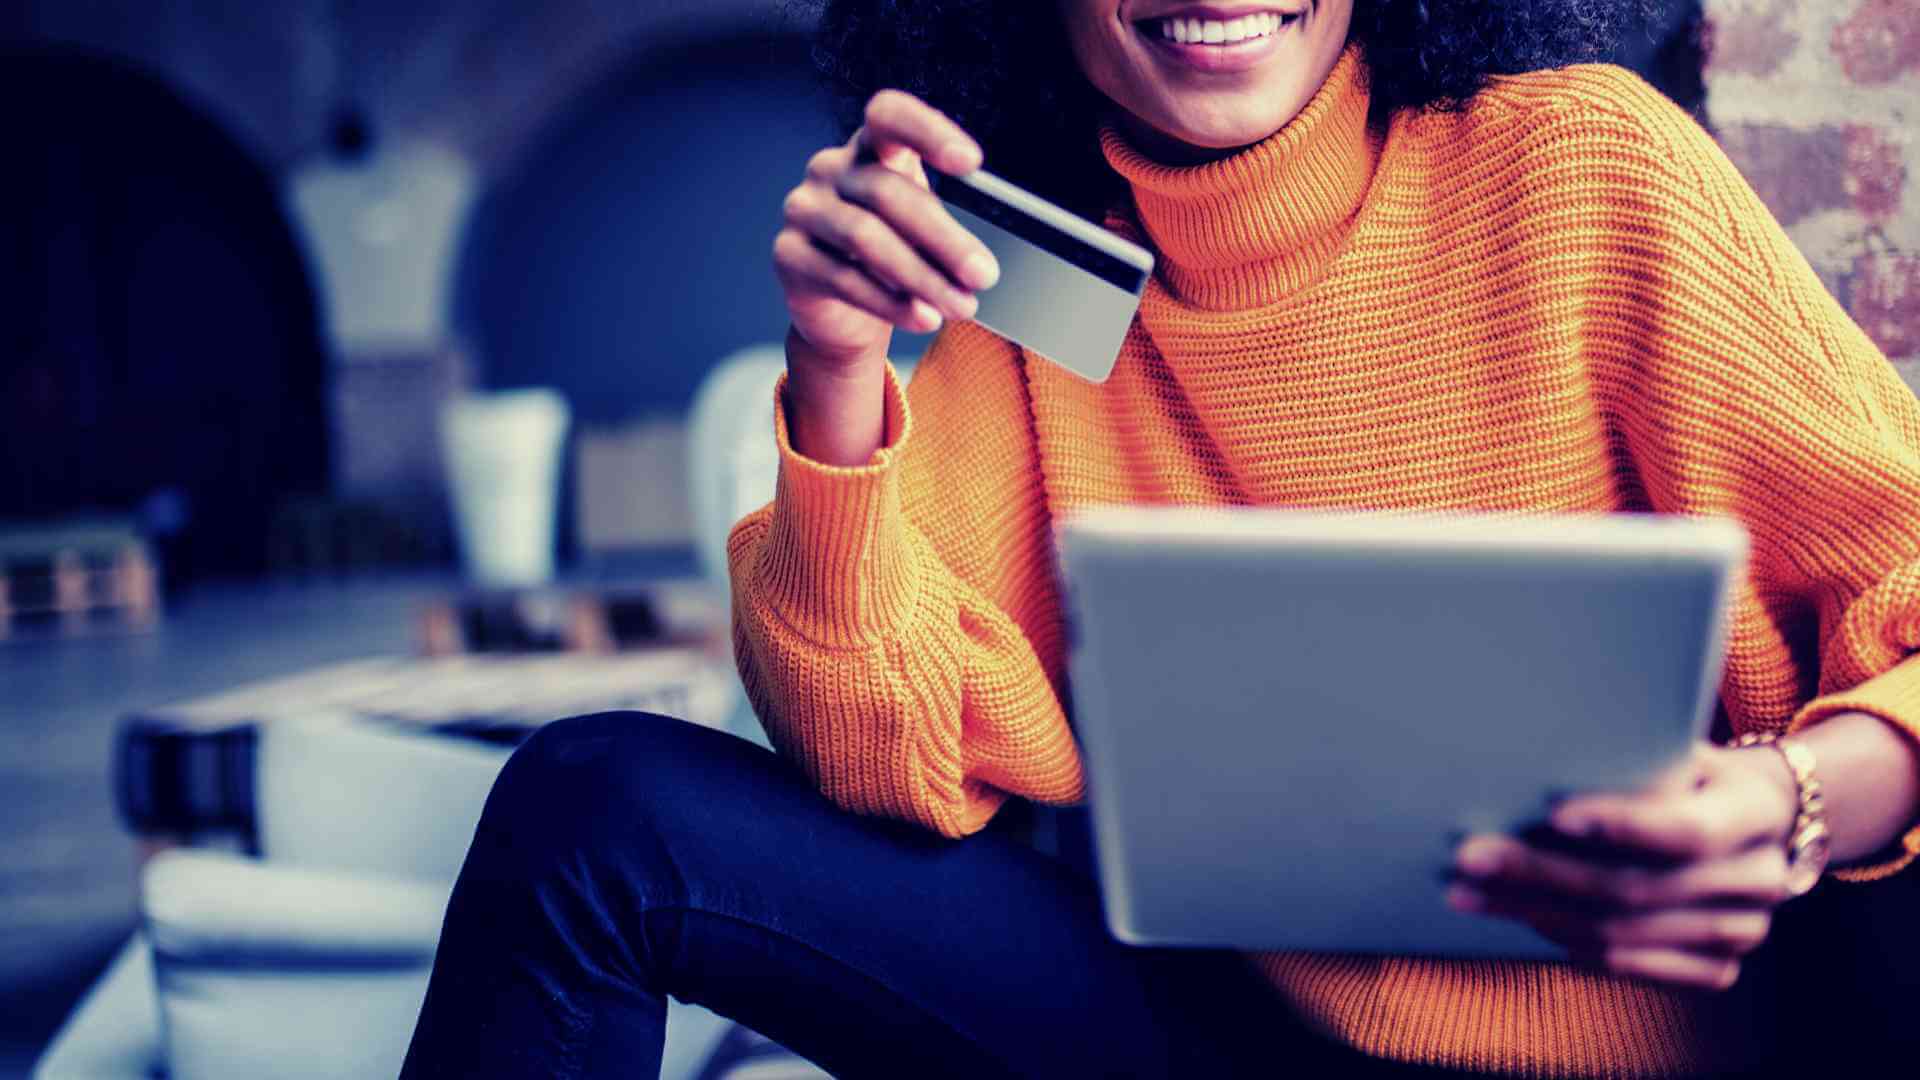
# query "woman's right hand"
(867, 246)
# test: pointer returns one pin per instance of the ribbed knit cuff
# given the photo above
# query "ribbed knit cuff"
(837, 563)
(1893, 696)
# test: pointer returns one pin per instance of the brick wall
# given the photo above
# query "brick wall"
(1819, 105)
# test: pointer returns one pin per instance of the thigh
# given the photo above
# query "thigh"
(876, 948)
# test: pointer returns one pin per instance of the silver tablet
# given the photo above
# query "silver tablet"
(1289, 718)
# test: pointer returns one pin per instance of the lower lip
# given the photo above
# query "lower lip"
(1238, 56)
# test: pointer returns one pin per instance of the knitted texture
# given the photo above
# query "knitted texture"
(1563, 299)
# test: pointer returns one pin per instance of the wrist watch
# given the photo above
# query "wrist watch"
(1809, 844)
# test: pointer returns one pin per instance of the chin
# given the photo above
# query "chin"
(1225, 129)
(1207, 75)
(1226, 136)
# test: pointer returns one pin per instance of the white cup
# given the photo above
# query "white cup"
(502, 452)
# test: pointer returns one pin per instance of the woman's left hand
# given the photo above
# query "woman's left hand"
(1674, 883)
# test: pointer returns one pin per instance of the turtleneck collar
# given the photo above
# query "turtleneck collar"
(1250, 229)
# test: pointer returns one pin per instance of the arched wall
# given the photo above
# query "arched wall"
(158, 327)
(628, 246)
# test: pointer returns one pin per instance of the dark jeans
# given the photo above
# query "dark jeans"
(625, 857)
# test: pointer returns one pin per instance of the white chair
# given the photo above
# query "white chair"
(310, 961)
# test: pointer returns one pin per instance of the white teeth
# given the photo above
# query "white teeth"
(1218, 32)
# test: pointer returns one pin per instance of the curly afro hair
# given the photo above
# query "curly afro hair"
(1003, 68)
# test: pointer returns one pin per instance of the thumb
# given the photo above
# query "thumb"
(895, 156)
(1690, 773)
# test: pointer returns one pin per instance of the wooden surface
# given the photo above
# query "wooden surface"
(76, 579)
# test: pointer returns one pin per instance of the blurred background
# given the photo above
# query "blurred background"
(252, 254)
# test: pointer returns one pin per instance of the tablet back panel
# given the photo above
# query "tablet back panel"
(1290, 718)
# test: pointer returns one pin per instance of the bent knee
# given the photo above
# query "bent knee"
(593, 763)
(577, 780)
(583, 741)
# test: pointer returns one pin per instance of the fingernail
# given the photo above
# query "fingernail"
(1478, 857)
(1466, 898)
(964, 305)
(1573, 823)
(926, 316)
(963, 157)
(980, 270)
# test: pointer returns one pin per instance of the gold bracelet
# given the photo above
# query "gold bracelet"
(1809, 842)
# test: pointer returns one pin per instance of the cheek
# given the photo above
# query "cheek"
(1335, 19)
(1100, 54)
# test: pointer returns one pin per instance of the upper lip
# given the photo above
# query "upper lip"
(1219, 12)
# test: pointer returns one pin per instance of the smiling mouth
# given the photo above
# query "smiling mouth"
(1192, 30)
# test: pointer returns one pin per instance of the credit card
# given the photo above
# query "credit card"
(1068, 288)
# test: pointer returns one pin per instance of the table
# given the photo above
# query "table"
(183, 773)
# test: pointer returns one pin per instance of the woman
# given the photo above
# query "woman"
(1386, 280)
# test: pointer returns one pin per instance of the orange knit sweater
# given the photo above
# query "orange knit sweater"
(1561, 299)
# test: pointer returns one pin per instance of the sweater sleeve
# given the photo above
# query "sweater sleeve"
(1752, 394)
(896, 624)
